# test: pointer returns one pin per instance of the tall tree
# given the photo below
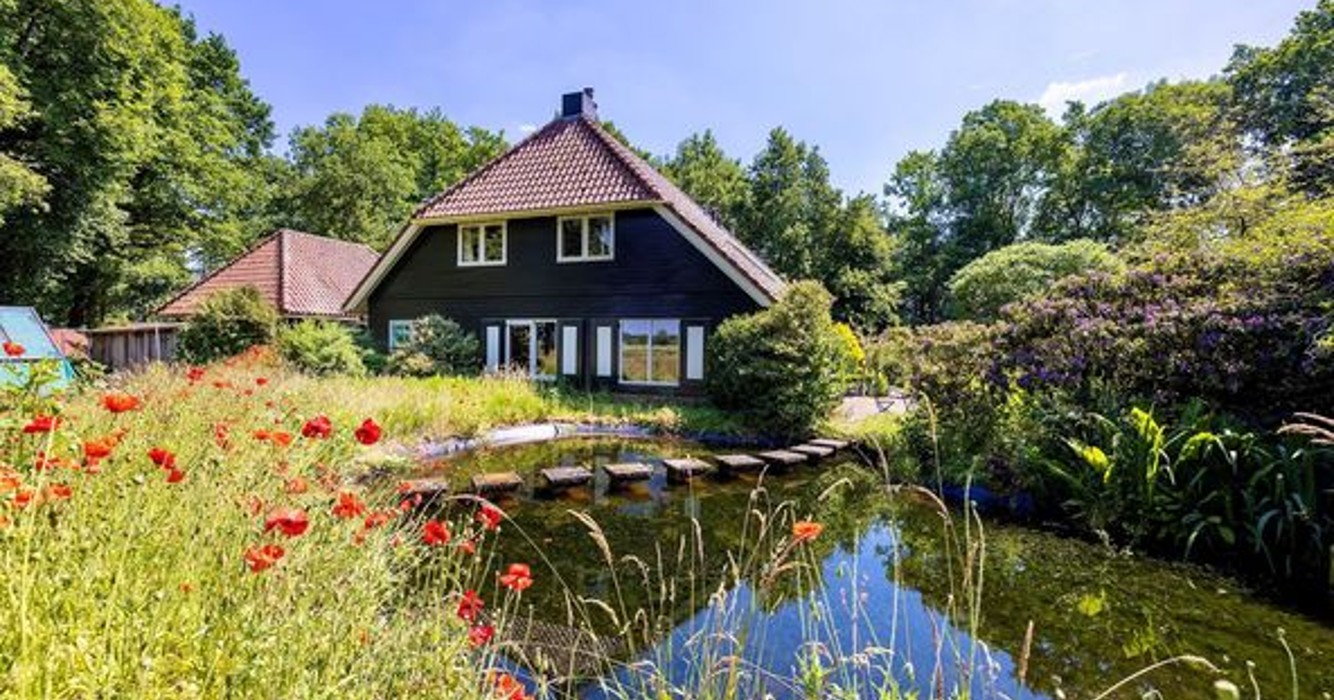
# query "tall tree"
(1284, 95)
(791, 205)
(20, 185)
(706, 173)
(359, 178)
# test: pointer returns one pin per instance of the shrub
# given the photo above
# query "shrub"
(784, 368)
(437, 345)
(320, 348)
(227, 323)
(1019, 271)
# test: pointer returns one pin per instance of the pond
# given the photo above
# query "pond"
(700, 593)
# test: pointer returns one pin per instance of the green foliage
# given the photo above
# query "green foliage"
(784, 368)
(709, 176)
(1016, 272)
(227, 323)
(359, 178)
(436, 346)
(19, 184)
(320, 348)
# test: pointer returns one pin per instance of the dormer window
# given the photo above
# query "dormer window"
(482, 244)
(585, 238)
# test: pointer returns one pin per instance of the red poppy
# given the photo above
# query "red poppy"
(480, 635)
(175, 476)
(317, 428)
(41, 424)
(261, 558)
(281, 438)
(468, 546)
(435, 533)
(470, 605)
(291, 521)
(368, 433)
(378, 518)
(10, 481)
(518, 578)
(221, 432)
(805, 530)
(120, 402)
(23, 497)
(261, 381)
(194, 374)
(348, 505)
(296, 485)
(261, 434)
(43, 461)
(13, 349)
(162, 457)
(59, 492)
(508, 687)
(490, 516)
(100, 448)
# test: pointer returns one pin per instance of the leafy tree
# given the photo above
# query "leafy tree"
(855, 261)
(1019, 271)
(359, 178)
(791, 206)
(19, 184)
(143, 132)
(703, 171)
(1165, 147)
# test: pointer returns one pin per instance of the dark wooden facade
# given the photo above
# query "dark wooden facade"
(655, 274)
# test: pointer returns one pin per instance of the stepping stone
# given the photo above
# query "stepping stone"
(783, 457)
(815, 451)
(686, 469)
(739, 462)
(500, 482)
(830, 442)
(565, 477)
(628, 471)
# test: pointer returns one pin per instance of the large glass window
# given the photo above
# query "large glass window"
(482, 244)
(651, 351)
(530, 348)
(582, 238)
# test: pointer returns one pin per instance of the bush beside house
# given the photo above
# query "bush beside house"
(227, 323)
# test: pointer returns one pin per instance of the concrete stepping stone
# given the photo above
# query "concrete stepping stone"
(814, 451)
(783, 457)
(499, 482)
(739, 462)
(628, 471)
(830, 442)
(565, 477)
(686, 469)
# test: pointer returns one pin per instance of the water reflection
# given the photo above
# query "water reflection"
(872, 605)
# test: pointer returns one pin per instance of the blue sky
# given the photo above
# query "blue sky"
(865, 81)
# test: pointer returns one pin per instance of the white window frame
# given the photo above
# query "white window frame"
(561, 257)
(481, 260)
(620, 352)
(397, 323)
(533, 364)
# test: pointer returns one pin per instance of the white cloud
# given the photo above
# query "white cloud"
(527, 128)
(1090, 91)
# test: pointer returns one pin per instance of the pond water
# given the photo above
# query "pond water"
(700, 594)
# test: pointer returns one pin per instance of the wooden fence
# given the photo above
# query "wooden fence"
(124, 347)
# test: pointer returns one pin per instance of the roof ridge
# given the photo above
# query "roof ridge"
(487, 167)
(330, 239)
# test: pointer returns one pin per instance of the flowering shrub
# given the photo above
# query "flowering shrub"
(1016, 272)
(227, 323)
(437, 346)
(1238, 330)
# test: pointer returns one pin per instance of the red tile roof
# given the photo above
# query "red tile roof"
(301, 274)
(574, 162)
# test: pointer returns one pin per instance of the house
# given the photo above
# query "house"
(301, 274)
(570, 256)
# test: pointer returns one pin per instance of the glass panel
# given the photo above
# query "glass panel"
(666, 349)
(634, 350)
(495, 243)
(571, 238)
(469, 239)
(518, 351)
(546, 349)
(599, 237)
(21, 325)
(400, 332)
